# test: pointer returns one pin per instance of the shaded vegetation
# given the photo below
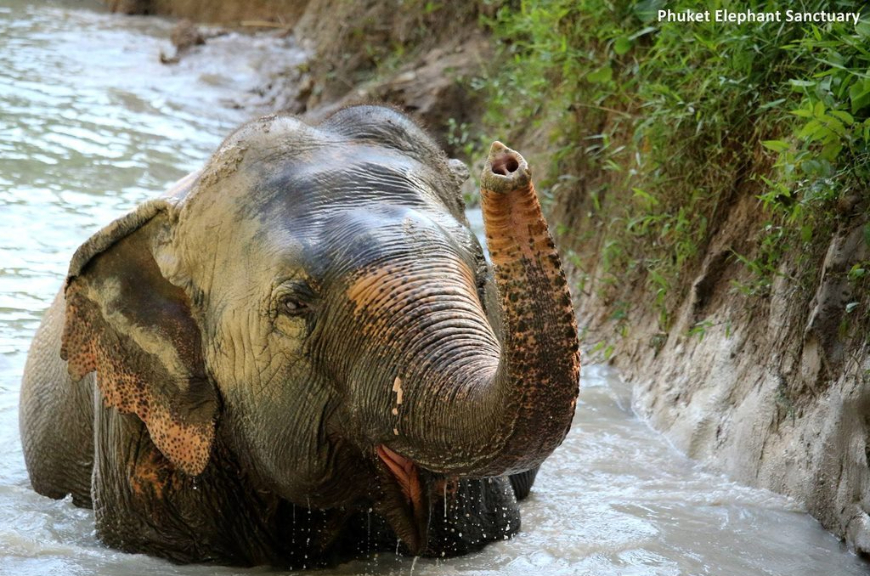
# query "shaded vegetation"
(655, 128)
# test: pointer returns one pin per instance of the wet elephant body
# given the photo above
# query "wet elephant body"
(299, 354)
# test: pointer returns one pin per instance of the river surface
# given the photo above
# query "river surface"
(92, 124)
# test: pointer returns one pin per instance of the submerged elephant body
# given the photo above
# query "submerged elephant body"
(298, 353)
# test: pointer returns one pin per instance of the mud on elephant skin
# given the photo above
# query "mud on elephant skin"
(301, 333)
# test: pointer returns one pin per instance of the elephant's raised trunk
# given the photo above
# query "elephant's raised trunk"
(539, 365)
(466, 406)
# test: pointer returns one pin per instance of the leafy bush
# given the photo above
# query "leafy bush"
(658, 126)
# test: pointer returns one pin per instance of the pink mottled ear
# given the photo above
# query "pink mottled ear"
(128, 323)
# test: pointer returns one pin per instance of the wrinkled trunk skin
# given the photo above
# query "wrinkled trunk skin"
(460, 402)
(539, 368)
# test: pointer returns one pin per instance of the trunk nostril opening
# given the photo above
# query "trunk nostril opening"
(505, 170)
(505, 164)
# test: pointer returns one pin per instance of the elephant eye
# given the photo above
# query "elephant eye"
(293, 298)
(293, 307)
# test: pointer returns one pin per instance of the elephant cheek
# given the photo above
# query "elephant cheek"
(293, 330)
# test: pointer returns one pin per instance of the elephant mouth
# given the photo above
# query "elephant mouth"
(404, 499)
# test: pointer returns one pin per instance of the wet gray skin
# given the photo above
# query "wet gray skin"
(613, 499)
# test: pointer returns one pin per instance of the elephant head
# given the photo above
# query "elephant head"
(314, 300)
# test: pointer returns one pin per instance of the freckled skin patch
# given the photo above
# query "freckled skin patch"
(379, 294)
(397, 388)
(150, 475)
(124, 372)
(367, 290)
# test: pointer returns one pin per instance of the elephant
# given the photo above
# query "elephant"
(299, 354)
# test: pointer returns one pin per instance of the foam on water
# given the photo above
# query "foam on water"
(91, 124)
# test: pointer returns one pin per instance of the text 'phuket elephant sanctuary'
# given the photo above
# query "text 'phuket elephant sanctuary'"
(299, 354)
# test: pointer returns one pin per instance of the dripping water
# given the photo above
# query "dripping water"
(445, 500)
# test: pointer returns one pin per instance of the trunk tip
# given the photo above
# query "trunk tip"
(505, 170)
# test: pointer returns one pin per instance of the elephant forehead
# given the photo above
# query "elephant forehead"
(384, 233)
(338, 178)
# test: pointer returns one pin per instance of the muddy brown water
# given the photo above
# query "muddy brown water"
(91, 124)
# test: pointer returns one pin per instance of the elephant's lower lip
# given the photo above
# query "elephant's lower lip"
(406, 474)
(409, 512)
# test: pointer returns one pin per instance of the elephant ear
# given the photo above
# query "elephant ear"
(128, 323)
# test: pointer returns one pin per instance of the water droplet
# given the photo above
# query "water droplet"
(445, 500)
(369, 531)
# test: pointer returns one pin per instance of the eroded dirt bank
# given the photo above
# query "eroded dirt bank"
(768, 386)
(767, 389)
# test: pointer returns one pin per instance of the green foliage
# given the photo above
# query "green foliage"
(825, 153)
(699, 329)
(661, 124)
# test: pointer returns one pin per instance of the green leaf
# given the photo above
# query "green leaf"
(833, 125)
(646, 10)
(810, 167)
(646, 196)
(810, 129)
(601, 75)
(642, 32)
(771, 104)
(859, 95)
(806, 233)
(844, 116)
(775, 145)
(622, 45)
